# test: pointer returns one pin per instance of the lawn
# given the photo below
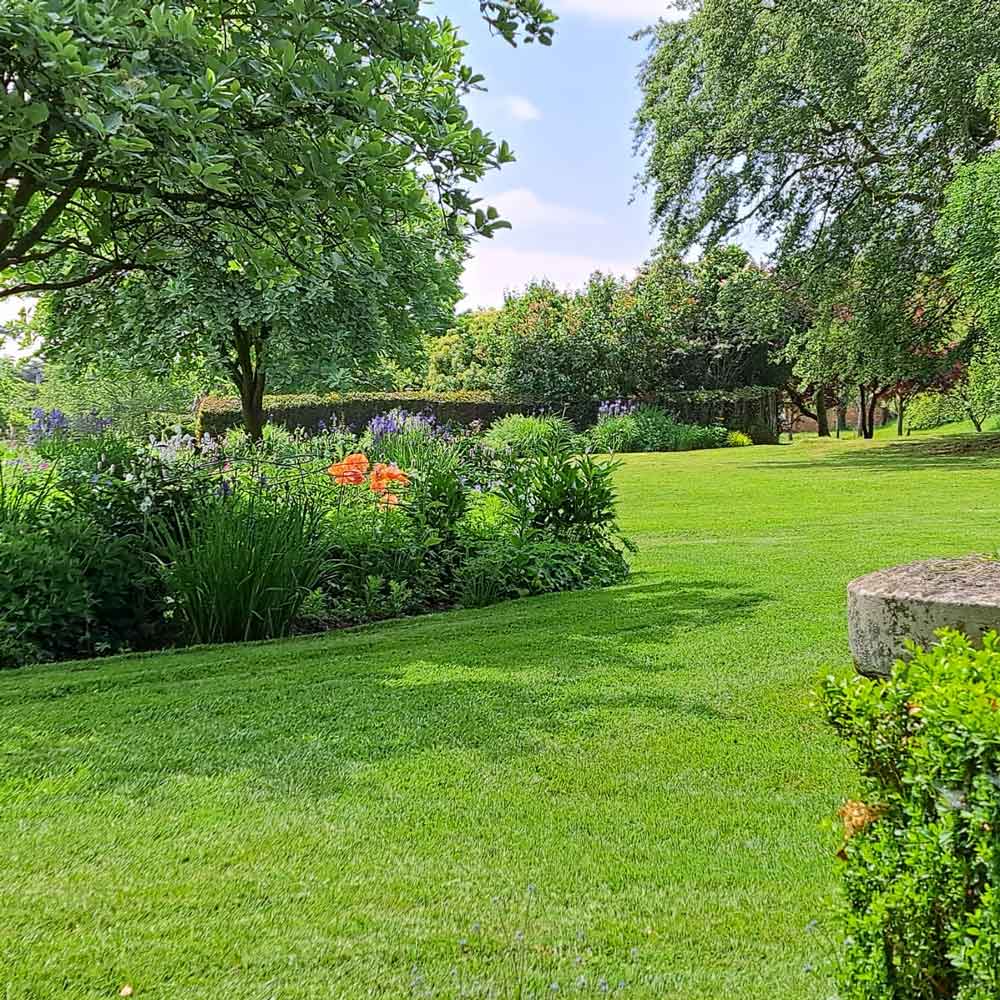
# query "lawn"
(636, 779)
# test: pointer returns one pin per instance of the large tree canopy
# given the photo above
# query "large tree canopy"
(125, 127)
(831, 126)
(246, 315)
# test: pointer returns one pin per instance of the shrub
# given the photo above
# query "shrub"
(67, 590)
(508, 567)
(356, 410)
(922, 885)
(25, 493)
(762, 433)
(244, 566)
(571, 497)
(529, 435)
(657, 430)
(737, 439)
(45, 606)
(125, 488)
(616, 434)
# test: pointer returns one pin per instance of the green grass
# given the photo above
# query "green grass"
(334, 817)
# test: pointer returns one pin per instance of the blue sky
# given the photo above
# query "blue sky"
(566, 111)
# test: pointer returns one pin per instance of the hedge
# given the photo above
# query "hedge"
(752, 409)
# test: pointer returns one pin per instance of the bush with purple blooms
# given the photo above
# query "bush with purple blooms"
(399, 421)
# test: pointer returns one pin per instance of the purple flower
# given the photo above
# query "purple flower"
(399, 420)
(46, 424)
(615, 408)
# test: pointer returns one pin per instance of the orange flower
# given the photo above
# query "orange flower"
(388, 500)
(350, 472)
(384, 475)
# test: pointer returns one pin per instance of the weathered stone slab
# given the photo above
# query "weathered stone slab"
(913, 601)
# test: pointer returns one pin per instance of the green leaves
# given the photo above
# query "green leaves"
(329, 119)
(36, 112)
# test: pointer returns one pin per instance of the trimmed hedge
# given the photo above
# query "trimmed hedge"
(216, 416)
(753, 410)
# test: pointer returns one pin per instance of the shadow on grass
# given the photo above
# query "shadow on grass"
(501, 681)
(960, 452)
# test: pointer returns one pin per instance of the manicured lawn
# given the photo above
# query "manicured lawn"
(363, 814)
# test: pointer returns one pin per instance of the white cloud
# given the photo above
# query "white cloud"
(496, 269)
(619, 10)
(522, 207)
(521, 109)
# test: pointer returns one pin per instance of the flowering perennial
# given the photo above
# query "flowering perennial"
(353, 471)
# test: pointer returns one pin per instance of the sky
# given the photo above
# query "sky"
(566, 111)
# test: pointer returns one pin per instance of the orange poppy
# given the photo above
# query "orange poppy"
(384, 475)
(351, 471)
(388, 500)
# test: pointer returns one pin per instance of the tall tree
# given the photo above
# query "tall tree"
(881, 340)
(831, 127)
(124, 126)
(251, 317)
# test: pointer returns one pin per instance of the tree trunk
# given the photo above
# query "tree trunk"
(841, 418)
(862, 412)
(976, 421)
(247, 370)
(822, 423)
(252, 401)
(872, 407)
(900, 409)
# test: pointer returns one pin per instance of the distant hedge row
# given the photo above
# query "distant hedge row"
(753, 409)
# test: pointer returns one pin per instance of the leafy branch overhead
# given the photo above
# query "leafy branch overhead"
(286, 123)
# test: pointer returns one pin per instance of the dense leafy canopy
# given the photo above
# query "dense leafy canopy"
(714, 323)
(259, 326)
(831, 129)
(832, 126)
(127, 129)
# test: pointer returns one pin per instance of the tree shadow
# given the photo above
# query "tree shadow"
(959, 451)
(500, 681)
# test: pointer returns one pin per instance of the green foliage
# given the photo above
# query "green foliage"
(506, 568)
(243, 567)
(15, 396)
(815, 127)
(47, 607)
(68, 590)
(972, 394)
(657, 430)
(922, 917)
(355, 410)
(737, 439)
(460, 360)
(616, 434)
(136, 402)
(240, 132)
(525, 435)
(715, 323)
(968, 230)
(545, 345)
(571, 497)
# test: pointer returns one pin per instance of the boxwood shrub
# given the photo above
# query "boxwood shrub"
(922, 875)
